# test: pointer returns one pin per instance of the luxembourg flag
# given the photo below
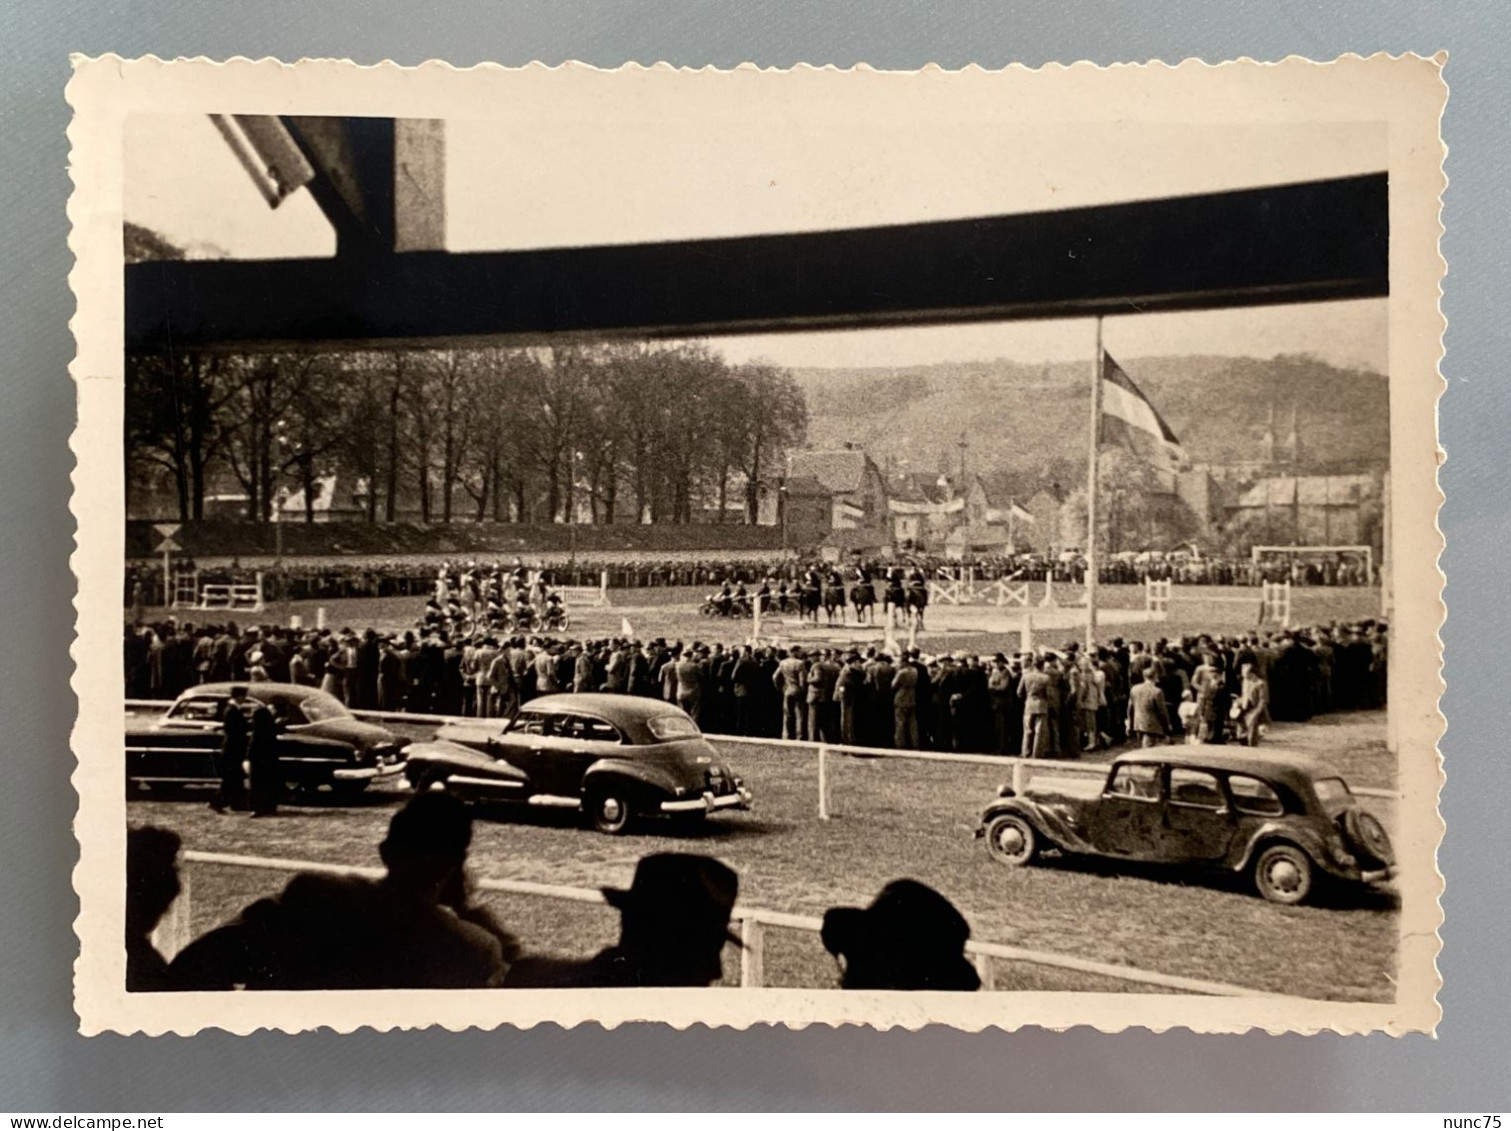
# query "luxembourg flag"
(1128, 417)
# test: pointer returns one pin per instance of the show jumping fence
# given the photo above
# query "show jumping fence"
(962, 587)
(1274, 601)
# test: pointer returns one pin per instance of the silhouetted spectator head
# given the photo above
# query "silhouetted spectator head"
(910, 938)
(152, 882)
(427, 842)
(675, 919)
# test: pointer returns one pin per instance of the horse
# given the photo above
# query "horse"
(918, 601)
(834, 598)
(895, 601)
(809, 599)
(863, 597)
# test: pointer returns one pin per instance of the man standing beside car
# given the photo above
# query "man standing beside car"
(233, 750)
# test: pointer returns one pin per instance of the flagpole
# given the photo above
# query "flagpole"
(1091, 493)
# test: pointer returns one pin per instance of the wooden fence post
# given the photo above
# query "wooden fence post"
(823, 782)
(1020, 778)
(172, 932)
(985, 969)
(752, 953)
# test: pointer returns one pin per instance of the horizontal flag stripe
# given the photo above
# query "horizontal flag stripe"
(1125, 400)
(1131, 409)
(1142, 444)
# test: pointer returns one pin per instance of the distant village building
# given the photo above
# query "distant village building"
(972, 541)
(836, 490)
(1309, 510)
(327, 505)
(923, 511)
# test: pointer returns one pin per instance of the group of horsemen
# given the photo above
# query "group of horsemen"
(905, 595)
(494, 600)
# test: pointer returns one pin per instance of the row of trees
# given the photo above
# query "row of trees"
(606, 432)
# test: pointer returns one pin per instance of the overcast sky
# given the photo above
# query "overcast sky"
(514, 181)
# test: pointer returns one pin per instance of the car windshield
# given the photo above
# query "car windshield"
(668, 727)
(1333, 794)
(321, 708)
(198, 710)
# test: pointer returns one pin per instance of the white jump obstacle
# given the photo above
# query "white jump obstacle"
(966, 589)
(185, 593)
(233, 597)
(586, 595)
(1274, 601)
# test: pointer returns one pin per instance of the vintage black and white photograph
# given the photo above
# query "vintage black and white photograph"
(757, 546)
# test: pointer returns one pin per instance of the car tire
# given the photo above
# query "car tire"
(1368, 838)
(1012, 840)
(1283, 874)
(609, 809)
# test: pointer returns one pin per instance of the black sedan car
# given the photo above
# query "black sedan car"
(617, 757)
(1282, 820)
(319, 742)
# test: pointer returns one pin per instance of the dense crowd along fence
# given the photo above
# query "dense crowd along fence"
(175, 930)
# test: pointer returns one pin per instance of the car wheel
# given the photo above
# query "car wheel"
(1012, 840)
(609, 809)
(1283, 874)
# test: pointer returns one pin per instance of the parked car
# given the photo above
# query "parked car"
(319, 743)
(617, 757)
(1283, 820)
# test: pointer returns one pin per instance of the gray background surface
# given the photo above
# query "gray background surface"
(44, 1066)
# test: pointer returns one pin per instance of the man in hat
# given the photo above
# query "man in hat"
(674, 924)
(823, 677)
(848, 691)
(905, 704)
(910, 938)
(791, 680)
(235, 728)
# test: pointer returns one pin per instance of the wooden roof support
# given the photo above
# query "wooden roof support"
(1305, 242)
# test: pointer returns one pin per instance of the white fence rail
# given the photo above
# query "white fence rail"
(174, 932)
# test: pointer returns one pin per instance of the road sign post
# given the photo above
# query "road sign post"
(167, 546)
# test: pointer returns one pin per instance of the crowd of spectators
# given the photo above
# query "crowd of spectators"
(1218, 687)
(422, 926)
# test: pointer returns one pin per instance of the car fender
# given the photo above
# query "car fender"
(646, 774)
(1049, 824)
(1302, 836)
(456, 758)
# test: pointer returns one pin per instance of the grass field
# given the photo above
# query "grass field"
(890, 819)
(672, 613)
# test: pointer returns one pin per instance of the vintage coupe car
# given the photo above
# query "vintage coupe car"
(319, 742)
(1283, 820)
(618, 757)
